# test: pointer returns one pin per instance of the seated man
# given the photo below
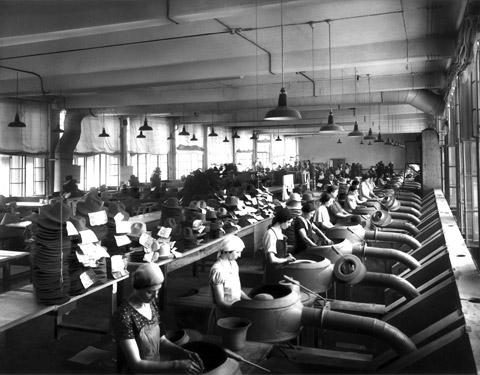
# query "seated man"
(138, 331)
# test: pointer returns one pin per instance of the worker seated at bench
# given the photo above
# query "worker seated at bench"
(224, 274)
(275, 244)
(305, 230)
(137, 329)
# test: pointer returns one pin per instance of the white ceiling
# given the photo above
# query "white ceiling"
(126, 57)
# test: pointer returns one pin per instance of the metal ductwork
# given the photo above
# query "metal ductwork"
(375, 235)
(423, 99)
(361, 250)
(402, 286)
(403, 225)
(405, 216)
(328, 319)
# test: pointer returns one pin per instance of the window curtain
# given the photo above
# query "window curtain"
(155, 141)
(91, 143)
(244, 150)
(219, 152)
(33, 139)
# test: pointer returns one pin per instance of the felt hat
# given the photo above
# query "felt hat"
(56, 212)
(213, 203)
(307, 197)
(294, 205)
(381, 218)
(92, 203)
(196, 224)
(395, 206)
(194, 206)
(231, 201)
(171, 203)
(188, 234)
(295, 197)
(137, 229)
(147, 275)
(222, 212)
(115, 208)
(79, 222)
(202, 204)
(211, 215)
(170, 222)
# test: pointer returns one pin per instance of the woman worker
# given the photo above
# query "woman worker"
(304, 229)
(224, 274)
(322, 216)
(275, 245)
(138, 331)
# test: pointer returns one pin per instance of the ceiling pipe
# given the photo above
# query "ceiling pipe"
(303, 74)
(42, 87)
(238, 32)
(168, 14)
(422, 99)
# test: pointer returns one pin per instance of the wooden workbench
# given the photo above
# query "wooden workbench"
(191, 256)
(6, 258)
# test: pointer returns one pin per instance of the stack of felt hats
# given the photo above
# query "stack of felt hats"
(75, 267)
(294, 204)
(113, 209)
(171, 209)
(90, 205)
(51, 254)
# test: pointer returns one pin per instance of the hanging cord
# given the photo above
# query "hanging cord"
(405, 28)
(330, 62)
(355, 91)
(256, 57)
(369, 100)
(313, 58)
(281, 35)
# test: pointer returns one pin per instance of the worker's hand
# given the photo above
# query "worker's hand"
(188, 366)
(328, 241)
(290, 258)
(194, 357)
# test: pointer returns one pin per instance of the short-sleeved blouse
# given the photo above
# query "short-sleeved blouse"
(128, 322)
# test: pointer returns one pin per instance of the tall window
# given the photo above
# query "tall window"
(189, 153)
(22, 175)
(244, 150)
(144, 165)
(96, 170)
(219, 152)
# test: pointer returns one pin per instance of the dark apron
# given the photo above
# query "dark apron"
(273, 272)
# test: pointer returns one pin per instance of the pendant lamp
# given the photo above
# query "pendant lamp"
(212, 133)
(194, 139)
(141, 135)
(145, 126)
(339, 140)
(331, 127)
(278, 139)
(379, 136)
(369, 136)
(254, 136)
(235, 135)
(16, 123)
(170, 137)
(282, 112)
(369, 143)
(103, 134)
(184, 132)
(225, 140)
(355, 132)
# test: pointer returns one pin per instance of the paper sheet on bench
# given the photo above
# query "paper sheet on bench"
(88, 355)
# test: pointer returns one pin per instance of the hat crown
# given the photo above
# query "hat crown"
(295, 197)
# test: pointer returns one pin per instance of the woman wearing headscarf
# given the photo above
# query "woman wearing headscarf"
(275, 244)
(138, 330)
(224, 274)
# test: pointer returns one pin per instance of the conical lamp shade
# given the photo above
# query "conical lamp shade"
(388, 142)
(369, 136)
(17, 123)
(145, 126)
(282, 112)
(369, 143)
(225, 140)
(254, 137)
(355, 132)
(170, 137)
(339, 140)
(184, 131)
(278, 139)
(212, 133)
(104, 134)
(331, 127)
(379, 138)
(141, 135)
(235, 135)
(194, 139)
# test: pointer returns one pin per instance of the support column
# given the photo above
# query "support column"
(66, 145)
(431, 161)
(53, 139)
(172, 152)
(123, 141)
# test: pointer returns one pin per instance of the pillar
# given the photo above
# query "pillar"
(66, 145)
(431, 160)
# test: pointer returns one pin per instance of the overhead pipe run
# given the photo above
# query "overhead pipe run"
(422, 99)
